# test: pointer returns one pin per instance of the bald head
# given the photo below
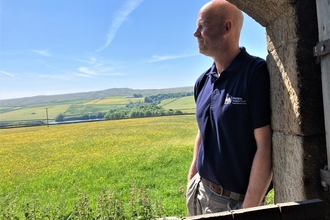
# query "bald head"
(219, 25)
(222, 10)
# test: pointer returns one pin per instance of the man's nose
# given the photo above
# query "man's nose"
(197, 32)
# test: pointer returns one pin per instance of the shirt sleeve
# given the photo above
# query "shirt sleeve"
(260, 96)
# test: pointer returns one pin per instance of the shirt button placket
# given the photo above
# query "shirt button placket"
(214, 96)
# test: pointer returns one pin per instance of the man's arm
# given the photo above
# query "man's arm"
(193, 168)
(261, 171)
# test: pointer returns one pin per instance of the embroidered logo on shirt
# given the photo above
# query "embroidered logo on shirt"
(228, 100)
(234, 100)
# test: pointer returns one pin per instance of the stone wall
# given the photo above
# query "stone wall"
(299, 149)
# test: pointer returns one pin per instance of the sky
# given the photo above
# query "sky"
(52, 47)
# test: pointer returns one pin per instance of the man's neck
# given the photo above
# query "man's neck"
(224, 60)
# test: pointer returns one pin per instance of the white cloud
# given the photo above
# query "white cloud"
(95, 66)
(96, 70)
(86, 70)
(42, 52)
(157, 58)
(119, 19)
(8, 74)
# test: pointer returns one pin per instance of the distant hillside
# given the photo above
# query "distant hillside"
(37, 100)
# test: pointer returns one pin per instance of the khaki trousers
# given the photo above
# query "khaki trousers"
(200, 199)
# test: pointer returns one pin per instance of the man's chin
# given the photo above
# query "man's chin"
(202, 51)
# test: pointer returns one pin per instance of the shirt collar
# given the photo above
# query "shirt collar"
(234, 66)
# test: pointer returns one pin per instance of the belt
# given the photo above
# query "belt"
(221, 191)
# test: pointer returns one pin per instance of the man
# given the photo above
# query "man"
(231, 165)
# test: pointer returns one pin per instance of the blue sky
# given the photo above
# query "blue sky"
(66, 46)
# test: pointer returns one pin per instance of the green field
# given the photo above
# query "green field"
(64, 166)
(79, 108)
(185, 104)
(52, 166)
(60, 167)
(76, 110)
(34, 113)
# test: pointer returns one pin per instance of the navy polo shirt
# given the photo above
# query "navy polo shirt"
(228, 109)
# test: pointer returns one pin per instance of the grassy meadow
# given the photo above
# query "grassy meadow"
(52, 166)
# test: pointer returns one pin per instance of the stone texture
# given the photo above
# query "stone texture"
(295, 78)
(296, 164)
(288, 168)
(285, 105)
(264, 12)
(281, 43)
(282, 31)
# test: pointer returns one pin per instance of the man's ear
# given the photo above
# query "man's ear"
(228, 26)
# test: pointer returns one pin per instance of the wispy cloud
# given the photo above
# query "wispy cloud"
(8, 74)
(42, 52)
(94, 71)
(119, 19)
(95, 66)
(87, 71)
(157, 58)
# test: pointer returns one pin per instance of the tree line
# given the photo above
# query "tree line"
(62, 117)
(150, 107)
(156, 99)
(139, 110)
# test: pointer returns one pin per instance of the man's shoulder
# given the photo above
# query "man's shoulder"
(253, 65)
(252, 58)
(204, 75)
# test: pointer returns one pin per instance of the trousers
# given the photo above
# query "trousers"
(200, 199)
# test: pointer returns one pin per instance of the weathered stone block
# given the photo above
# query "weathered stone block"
(282, 31)
(271, 9)
(288, 167)
(296, 164)
(296, 94)
(285, 103)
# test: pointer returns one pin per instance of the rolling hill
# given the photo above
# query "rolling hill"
(63, 98)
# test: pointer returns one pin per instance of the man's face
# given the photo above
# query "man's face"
(209, 33)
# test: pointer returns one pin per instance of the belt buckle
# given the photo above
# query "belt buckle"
(217, 186)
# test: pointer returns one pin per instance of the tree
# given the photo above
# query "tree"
(60, 117)
(178, 112)
(107, 116)
(169, 112)
(137, 95)
(100, 115)
(133, 113)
